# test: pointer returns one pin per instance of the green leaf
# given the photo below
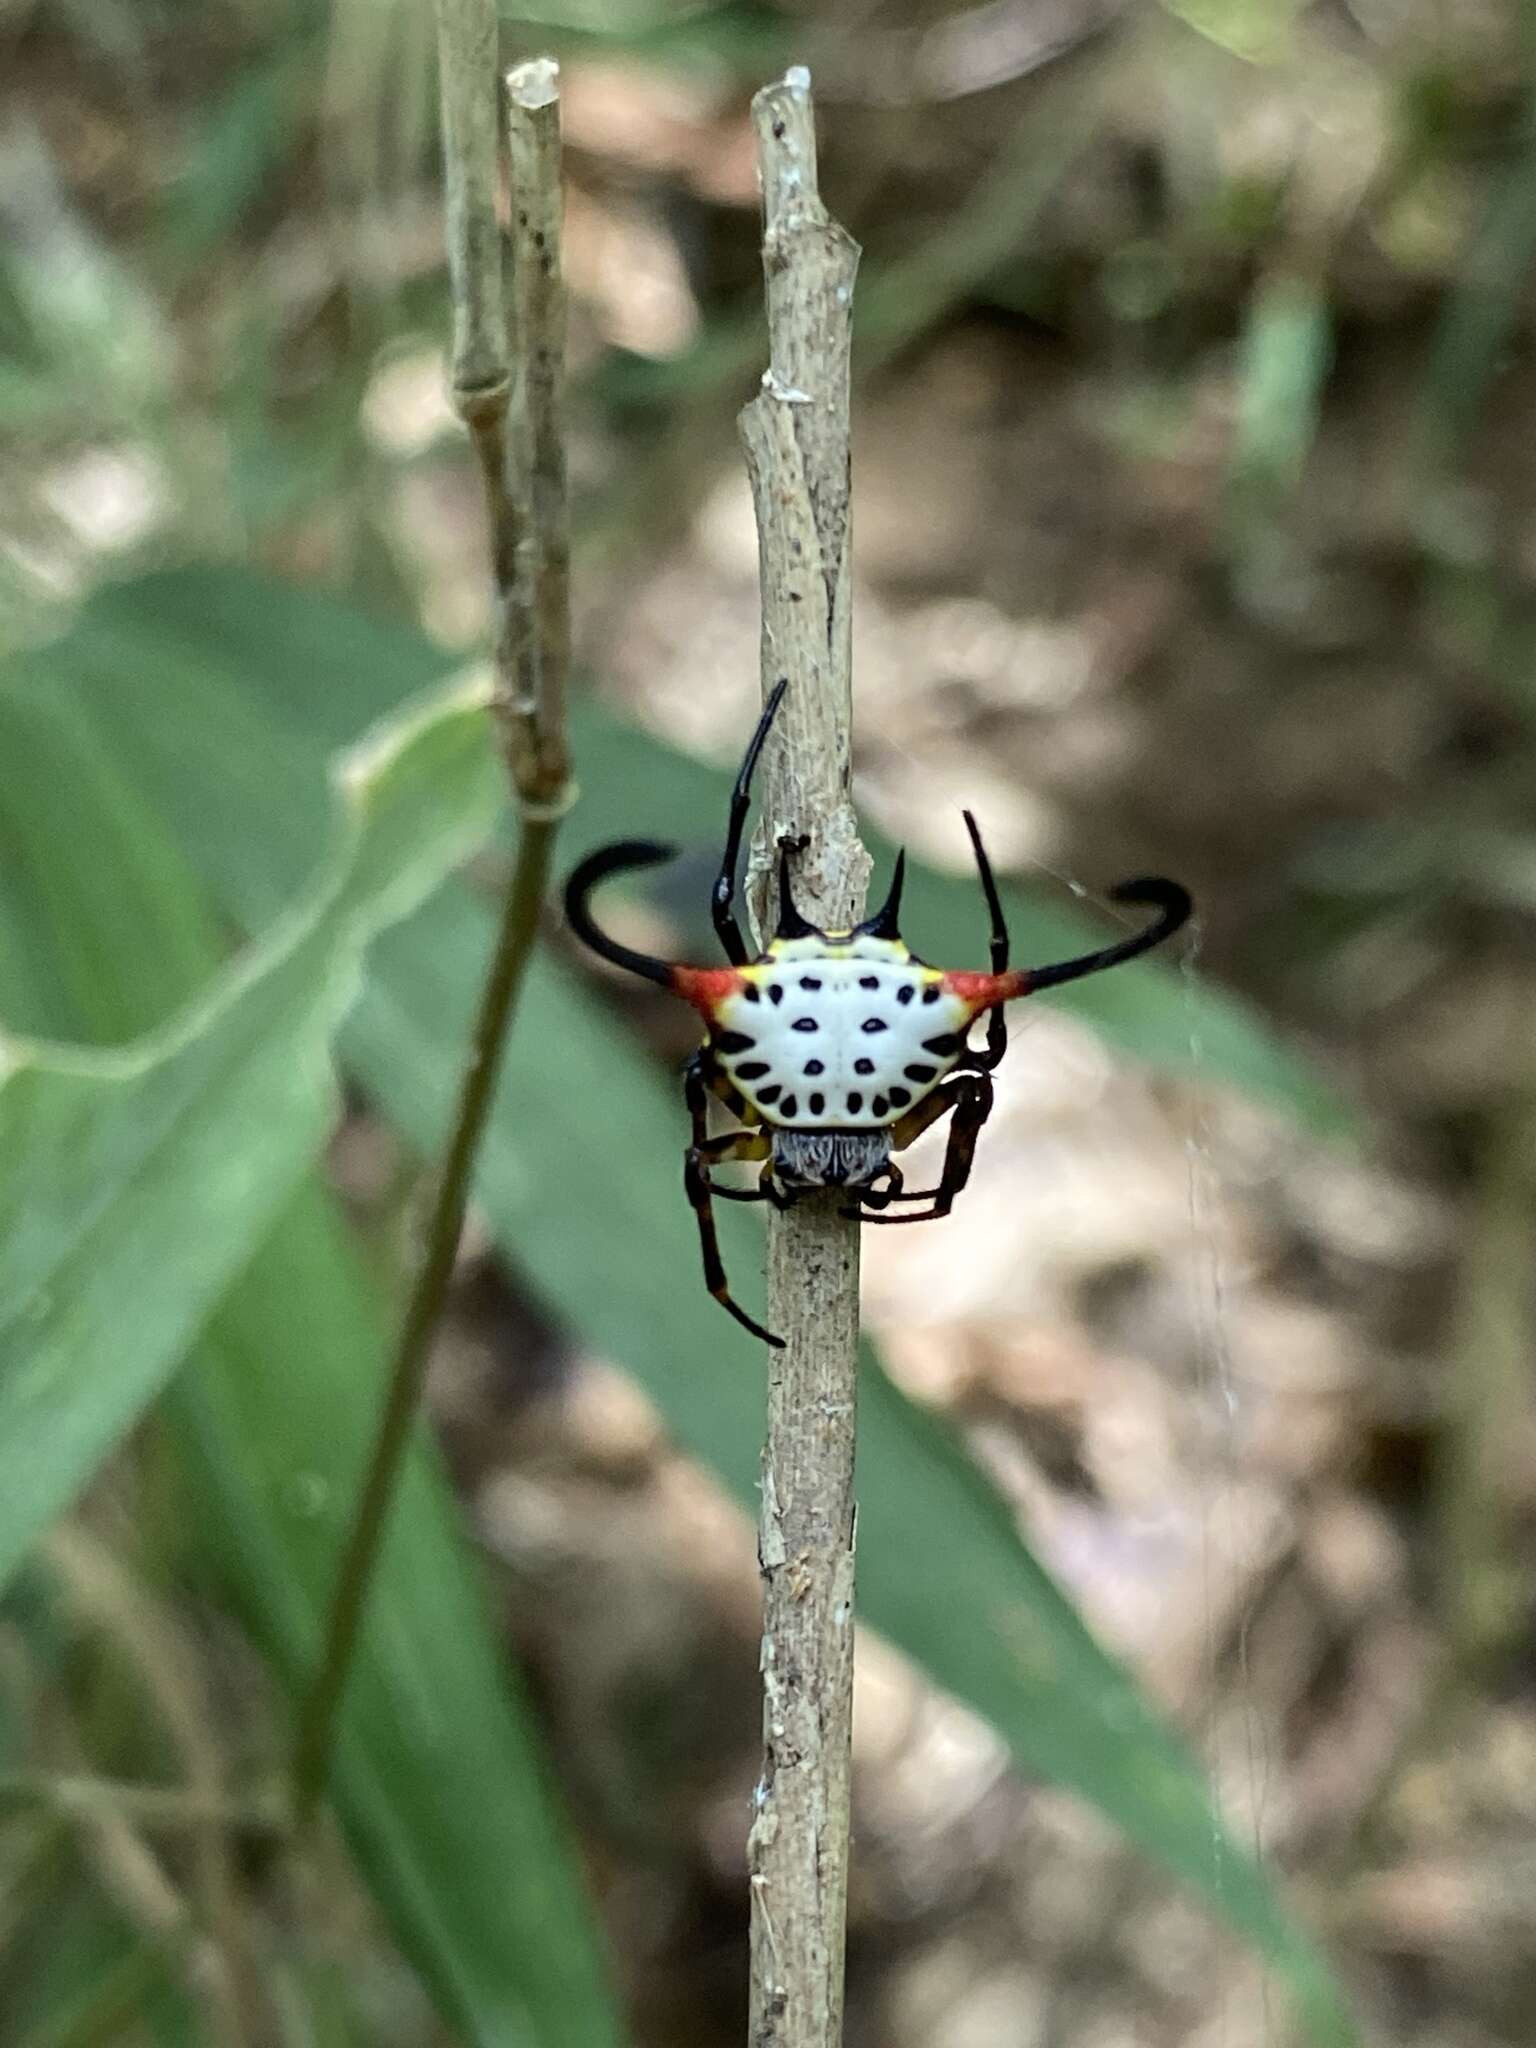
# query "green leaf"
(233, 148)
(1481, 312)
(575, 1178)
(85, 339)
(1150, 1009)
(941, 1567)
(349, 668)
(149, 1174)
(1286, 353)
(437, 1770)
(1261, 31)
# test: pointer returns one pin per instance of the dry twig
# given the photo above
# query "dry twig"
(796, 438)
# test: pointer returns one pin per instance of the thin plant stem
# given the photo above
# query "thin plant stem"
(174, 1808)
(514, 944)
(517, 433)
(796, 439)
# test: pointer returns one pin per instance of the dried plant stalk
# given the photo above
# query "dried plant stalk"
(480, 376)
(796, 438)
(540, 617)
(517, 432)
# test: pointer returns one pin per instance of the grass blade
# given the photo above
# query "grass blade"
(151, 1173)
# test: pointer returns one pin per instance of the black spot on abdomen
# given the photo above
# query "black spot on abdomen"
(752, 1070)
(946, 1043)
(735, 1041)
(921, 1073)
(789, 1106)
(816, 1104)
(855, 1103)
(863, 1066)
(874, 1024)
(805, 1024)
(771, 1093)
(815, 1067)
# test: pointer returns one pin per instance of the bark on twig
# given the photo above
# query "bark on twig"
(517, 435)
(796, 438)
(537, 678)
(480, 376)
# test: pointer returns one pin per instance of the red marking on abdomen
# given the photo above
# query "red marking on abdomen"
(982, 991)
(707, 987)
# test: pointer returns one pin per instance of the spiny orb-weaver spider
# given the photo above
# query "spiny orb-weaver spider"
(835, 1049)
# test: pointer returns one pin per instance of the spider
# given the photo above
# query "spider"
(834, 1050)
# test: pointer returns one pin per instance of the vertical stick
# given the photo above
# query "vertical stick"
(541, 614)
(796, 438)
(480, 375)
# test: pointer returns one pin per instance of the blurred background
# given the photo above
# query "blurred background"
(1195, 533)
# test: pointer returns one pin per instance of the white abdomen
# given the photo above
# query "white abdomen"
(835, 1044)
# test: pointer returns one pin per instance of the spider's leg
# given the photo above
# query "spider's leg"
(882, 1198)
(720, 1085)
(722, 897)
(997, 1020)
(712, 1076)
(770, 1191)
(903, 1133)
(970, 1095)
(701, 1199)
(738, 1145)
(704, 1151)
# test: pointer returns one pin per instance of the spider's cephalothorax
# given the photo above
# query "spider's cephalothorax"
(833, 1049)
